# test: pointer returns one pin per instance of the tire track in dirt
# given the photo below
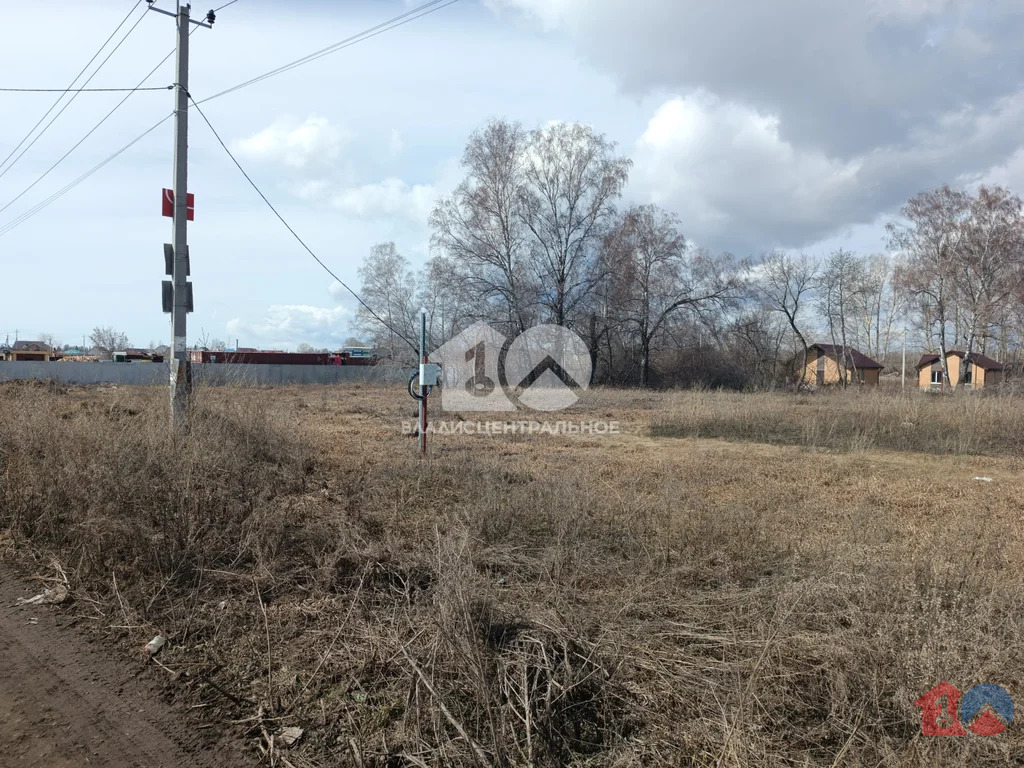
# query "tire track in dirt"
(67, 704)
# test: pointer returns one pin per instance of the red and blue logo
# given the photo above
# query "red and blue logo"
(986, 710)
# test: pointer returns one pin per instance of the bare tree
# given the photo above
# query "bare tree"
(480, 228)
(785, 283)
(989, 269)
(108, 340)
(757, 337)
(932, 237)
(572, 180)
(662, 277)
(838, 286)
(389, 288)
(444, 295)
(879, 304)
(50, 340)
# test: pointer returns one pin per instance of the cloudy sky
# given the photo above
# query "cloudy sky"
(798, 124)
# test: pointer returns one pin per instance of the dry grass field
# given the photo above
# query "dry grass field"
(734, 580)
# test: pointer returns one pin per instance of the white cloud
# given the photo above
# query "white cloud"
(315, 189)
(287, 141)
(288, 325)
(388, 198)
(718, 164)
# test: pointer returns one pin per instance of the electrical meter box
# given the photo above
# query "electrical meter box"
(430, 374)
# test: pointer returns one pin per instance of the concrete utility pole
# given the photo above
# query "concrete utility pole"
(180, 367)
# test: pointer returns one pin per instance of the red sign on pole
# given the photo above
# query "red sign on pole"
(168, 208)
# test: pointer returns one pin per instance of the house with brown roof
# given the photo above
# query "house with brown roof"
(30, 350)
(824, 366)
(982, 371)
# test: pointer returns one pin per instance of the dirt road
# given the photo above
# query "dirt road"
(67, 704)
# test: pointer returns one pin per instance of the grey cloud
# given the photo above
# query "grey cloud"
(794, 119)
(844, 76)
(739, 185)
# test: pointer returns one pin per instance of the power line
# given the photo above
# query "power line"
(397, 21)
(216, 10)
(71, 84)
(75, 96)
(84, 90)
(90, 133)
(293, 232)
(385, 26)
(60, 193)
(26, 215)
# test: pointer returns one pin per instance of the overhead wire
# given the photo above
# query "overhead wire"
(87, 135)
(295, 234)
(385, 26)
(70, 101)
(72, 83)
(4, 229)
(26, 215)
(378, 29)
(84, 90)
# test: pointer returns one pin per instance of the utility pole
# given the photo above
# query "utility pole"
(424, 390)
(903, 374)
(180, 367)
(429, 375)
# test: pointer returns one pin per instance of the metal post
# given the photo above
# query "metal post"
(181, 374)
(423, 388)
(903, 374)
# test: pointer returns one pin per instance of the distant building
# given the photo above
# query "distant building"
(30, 350)
(824, 366)
(982, 371)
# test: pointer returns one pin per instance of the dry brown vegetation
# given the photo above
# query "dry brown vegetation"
(989, 424)
(624, 600)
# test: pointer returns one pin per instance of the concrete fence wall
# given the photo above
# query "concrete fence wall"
(209, 374)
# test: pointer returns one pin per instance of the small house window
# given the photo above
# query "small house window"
(936, 375)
